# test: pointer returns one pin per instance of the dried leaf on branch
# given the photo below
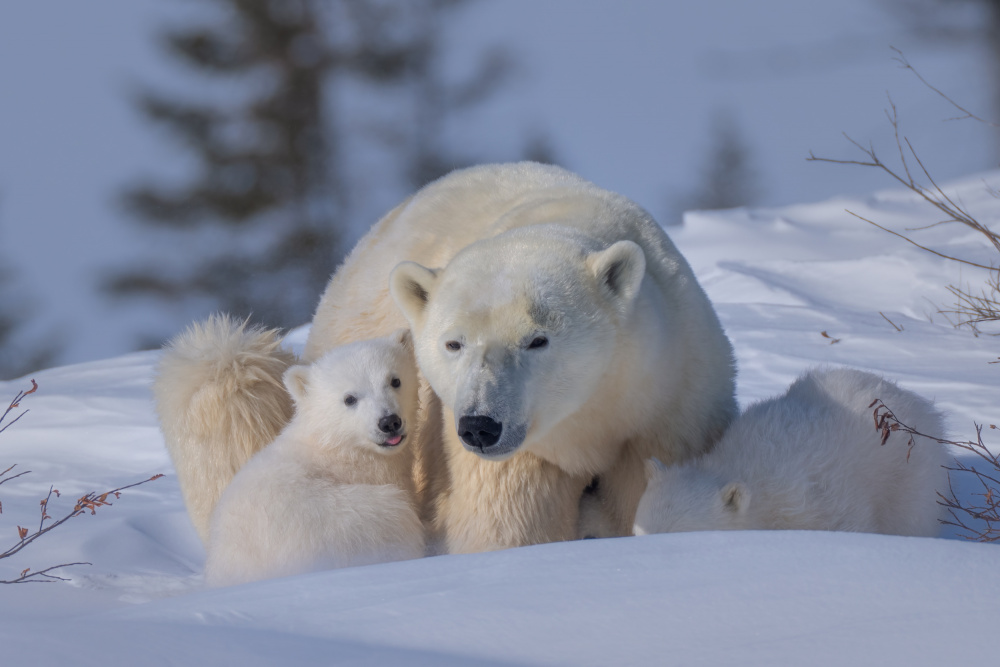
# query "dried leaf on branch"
(90, 501)
(977, 518)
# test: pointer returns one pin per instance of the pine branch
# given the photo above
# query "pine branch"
(207, 49)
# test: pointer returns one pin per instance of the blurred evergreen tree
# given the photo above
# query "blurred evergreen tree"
(727, 176)
(18, 355)
(277, 144)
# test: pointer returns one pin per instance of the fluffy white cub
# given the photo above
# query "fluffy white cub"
(335, 488)
(809, 460)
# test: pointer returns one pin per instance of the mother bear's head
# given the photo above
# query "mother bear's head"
(516, 333)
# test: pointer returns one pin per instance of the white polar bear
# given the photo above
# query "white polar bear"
(565, 336)
(560, 336)
(335, 488)
(220, 398)
(810, 460)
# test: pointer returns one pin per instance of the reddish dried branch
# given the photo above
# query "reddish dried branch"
(897, 328)
(986, 510)
(90, 501)
(16, 403)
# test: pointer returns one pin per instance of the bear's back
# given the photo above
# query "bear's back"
(814, 459)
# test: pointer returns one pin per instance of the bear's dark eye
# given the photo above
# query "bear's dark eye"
(538, 342)
(453, 345)
(350, 400)
(394, 383)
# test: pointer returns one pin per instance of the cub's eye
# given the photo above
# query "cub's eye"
(394, 383)
(453, 345)
(538, 342)
(350, 400)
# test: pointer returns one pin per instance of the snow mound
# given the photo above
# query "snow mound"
(795, 288)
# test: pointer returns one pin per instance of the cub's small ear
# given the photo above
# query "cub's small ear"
(296, 380)
(653, 467)
(404, 338)
(735, 497)
(619, 270)
(411, 285)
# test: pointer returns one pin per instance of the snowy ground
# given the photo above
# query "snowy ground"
(778, 277)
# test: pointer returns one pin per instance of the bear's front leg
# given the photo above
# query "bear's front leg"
(501, 504)
(609, 502)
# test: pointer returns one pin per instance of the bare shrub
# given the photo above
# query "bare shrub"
(985, 507)
(977, 518)
(26, 536)
(972, 308)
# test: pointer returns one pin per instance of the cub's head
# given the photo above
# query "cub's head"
(686, 498)
(516, 333)
(362, 394)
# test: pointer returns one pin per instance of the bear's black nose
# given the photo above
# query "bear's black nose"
(390, 423)
(479, 431)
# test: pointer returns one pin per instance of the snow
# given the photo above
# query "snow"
(695, 598)
(779, 277)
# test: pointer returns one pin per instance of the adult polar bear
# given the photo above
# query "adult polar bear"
(565, 336)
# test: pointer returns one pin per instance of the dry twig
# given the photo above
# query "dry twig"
(933, 194)
(905, 64)
(972, 309)
(986, 510)
(897, 328)
(16, 403)
(89, 501)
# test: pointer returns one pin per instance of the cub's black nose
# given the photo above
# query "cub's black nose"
(479, 431)
(390, 424)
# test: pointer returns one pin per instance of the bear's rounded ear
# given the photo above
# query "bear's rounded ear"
(619, 270)
(296, 380)
(410, 285)
(735, 497)
(403, 337)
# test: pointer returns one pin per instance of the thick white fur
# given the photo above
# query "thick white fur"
(810, 460)
(636, 363)
(328, 492)
(220, 399)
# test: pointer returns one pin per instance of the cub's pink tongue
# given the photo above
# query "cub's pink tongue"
(394, 440)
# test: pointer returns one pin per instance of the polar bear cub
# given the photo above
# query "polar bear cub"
(335, 488)
(810, 460)
(220, 398)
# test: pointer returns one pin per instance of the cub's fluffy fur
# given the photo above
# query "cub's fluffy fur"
(812, 460)
(335, 488)
(220, 399)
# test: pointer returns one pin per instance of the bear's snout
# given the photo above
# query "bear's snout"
(390, 423)
(479, 431)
